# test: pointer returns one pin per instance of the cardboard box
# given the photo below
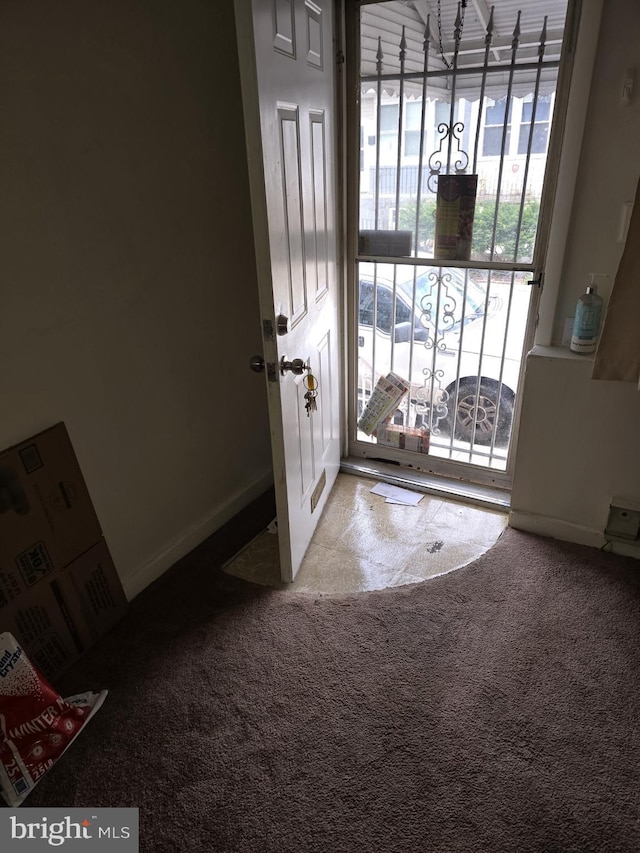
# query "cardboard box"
(42, 625)
(91, 588)
(390, 244)
(64, 615)
(46, 516)
(59, 588)
(402, 437)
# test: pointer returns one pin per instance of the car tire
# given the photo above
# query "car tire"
(490, 419)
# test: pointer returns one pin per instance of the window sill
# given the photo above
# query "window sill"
(560, 352)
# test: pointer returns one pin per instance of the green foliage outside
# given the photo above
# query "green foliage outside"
(506, 228)
(407, 221)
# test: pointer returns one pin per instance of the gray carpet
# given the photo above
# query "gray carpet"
(491, 709)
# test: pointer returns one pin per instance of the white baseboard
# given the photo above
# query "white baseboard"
(555, 528)
(626, 549)
(568, 532)
(196, 534)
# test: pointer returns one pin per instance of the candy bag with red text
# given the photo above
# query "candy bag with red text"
(36, 724)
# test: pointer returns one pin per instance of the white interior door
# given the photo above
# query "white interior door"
(287, 65)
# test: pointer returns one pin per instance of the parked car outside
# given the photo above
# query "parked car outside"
(457, 339)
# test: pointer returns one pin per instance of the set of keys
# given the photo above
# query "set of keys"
(311, 384)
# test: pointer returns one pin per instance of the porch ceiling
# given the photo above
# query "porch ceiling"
(386, 20)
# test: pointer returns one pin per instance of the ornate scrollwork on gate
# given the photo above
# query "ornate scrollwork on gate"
(438, 313)
(458, 159)
(438, 309)
(432, 400)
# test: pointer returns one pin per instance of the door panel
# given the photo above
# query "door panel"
(288, 87)
(326, 421)
(291, 187)
(284, 30)
(319, 195)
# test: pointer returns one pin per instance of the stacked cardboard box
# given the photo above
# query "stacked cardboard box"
(402, 437)
(59, 589)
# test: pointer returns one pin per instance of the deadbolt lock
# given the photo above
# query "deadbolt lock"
(296, 366)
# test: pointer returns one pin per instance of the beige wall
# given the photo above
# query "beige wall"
(578, 449)
(609, 163)
(129, 302)
(578, 444)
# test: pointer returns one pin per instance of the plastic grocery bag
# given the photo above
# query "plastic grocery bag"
(36, 724)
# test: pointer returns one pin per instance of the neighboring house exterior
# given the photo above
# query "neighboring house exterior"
(489, 149)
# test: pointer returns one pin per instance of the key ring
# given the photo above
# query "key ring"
(310, 382)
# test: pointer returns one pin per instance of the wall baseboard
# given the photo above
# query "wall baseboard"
(555, 528)
(195, 535)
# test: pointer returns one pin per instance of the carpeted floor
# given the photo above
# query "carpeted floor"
(491, 709)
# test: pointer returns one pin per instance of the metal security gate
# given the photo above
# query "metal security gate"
(455, 103)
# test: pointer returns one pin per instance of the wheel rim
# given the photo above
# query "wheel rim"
(484, 414)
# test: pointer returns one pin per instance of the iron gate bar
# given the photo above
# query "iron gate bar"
(502, 360)
(457, 35)
(375, 325)
(456, 392)
(401, 56)
(436, 343)
(480, 357)
(483, 86)
(505, 124)
(379, 57)
(475, 69)
(408, 261)
(456, 395)
(534, 111)
(423, 115)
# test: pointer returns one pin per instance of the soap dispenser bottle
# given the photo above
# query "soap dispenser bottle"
(588, 319)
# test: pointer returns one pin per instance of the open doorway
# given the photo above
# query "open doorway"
(450, 194)
(412, 307)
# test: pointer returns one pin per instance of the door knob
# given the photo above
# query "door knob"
(256, 363)
(296, 366)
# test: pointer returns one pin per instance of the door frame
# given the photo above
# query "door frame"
(576, 70)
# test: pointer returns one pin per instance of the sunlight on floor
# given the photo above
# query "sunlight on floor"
(363, 543)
